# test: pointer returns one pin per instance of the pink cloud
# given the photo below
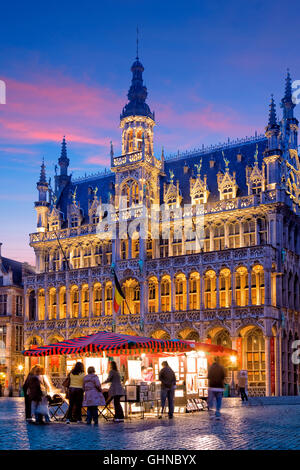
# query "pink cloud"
(97, 160)
(46, 109)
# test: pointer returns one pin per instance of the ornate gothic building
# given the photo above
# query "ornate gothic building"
(238, 285)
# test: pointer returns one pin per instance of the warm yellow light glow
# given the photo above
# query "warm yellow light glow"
(233, 359)
(20, 367)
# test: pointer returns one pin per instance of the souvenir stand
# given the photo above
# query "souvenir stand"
(139, 361)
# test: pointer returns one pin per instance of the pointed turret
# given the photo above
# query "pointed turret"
(272, 130)
(42, 185)
(42, 205)
(63, 161)
(111, 153)
(63, 178)
(289, 124)
(137, 94)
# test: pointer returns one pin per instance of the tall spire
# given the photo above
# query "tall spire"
(137, 93)
(288, 88)
(289, 124)
(272, 113)
(43, 173)
(63, 161)
(42, 185)
(272, 130)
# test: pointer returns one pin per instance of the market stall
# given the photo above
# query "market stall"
(139, 360)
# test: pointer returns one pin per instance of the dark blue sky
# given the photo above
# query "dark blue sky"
(210, 68)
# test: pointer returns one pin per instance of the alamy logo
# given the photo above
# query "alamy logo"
(296, 93)
(2, 92)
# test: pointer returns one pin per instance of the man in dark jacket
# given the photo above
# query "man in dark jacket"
(216, 377)
(168, 383)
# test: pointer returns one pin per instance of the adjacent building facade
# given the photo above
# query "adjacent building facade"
(235, 282)
(11, 323)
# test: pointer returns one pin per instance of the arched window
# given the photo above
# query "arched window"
(210, 299)
(165, 295)
(194, 291)
(130, 140)
(262, 229)
(255, 356)
(152, 292)
(223, 339)
(219, 238)
(180, 295)
(74, 302)
(98, 254)
(87, 256)
(97, 299)
(108, 299)
(249, 232)
(234, 235)
(149, 248)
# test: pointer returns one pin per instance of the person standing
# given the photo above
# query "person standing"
(93, 396)
(35, 394)
(168, 385)
(28, 415)
(43, 408)
(75, 393)
(242, 381)
(216, 377)
(116, 391)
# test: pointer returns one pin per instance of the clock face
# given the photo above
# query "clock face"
(293, 176)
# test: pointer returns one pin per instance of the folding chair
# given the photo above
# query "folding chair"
(106, 412)
(58, 408)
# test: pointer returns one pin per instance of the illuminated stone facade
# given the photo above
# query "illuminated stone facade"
(238, 286)
(11, 323)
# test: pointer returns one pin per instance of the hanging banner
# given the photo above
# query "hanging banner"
(272, 364)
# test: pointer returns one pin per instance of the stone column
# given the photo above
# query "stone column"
(241, 234)
(68, 302)
(57, 304)
(233, 302)
(187, 293)
(9, 302)
(267, 283)
(211, 239)
(257, 240)
(249, 287)
(79, 301)
(201, 291)
(226, 233)
(26, 307)
(142, 300)
(91, 304)
(103, 299)
(93, 255)
(172, 294)
(159, 295)
(278, 374)
(268, 366)
(46, 304)
(217, 290)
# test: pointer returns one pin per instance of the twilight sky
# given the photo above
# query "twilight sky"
(210, 67)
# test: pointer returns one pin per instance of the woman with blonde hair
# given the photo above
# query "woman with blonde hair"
(75, 389)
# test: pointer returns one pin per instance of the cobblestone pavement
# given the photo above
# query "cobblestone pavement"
(244, 427)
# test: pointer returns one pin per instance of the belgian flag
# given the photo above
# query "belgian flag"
(118, 295)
